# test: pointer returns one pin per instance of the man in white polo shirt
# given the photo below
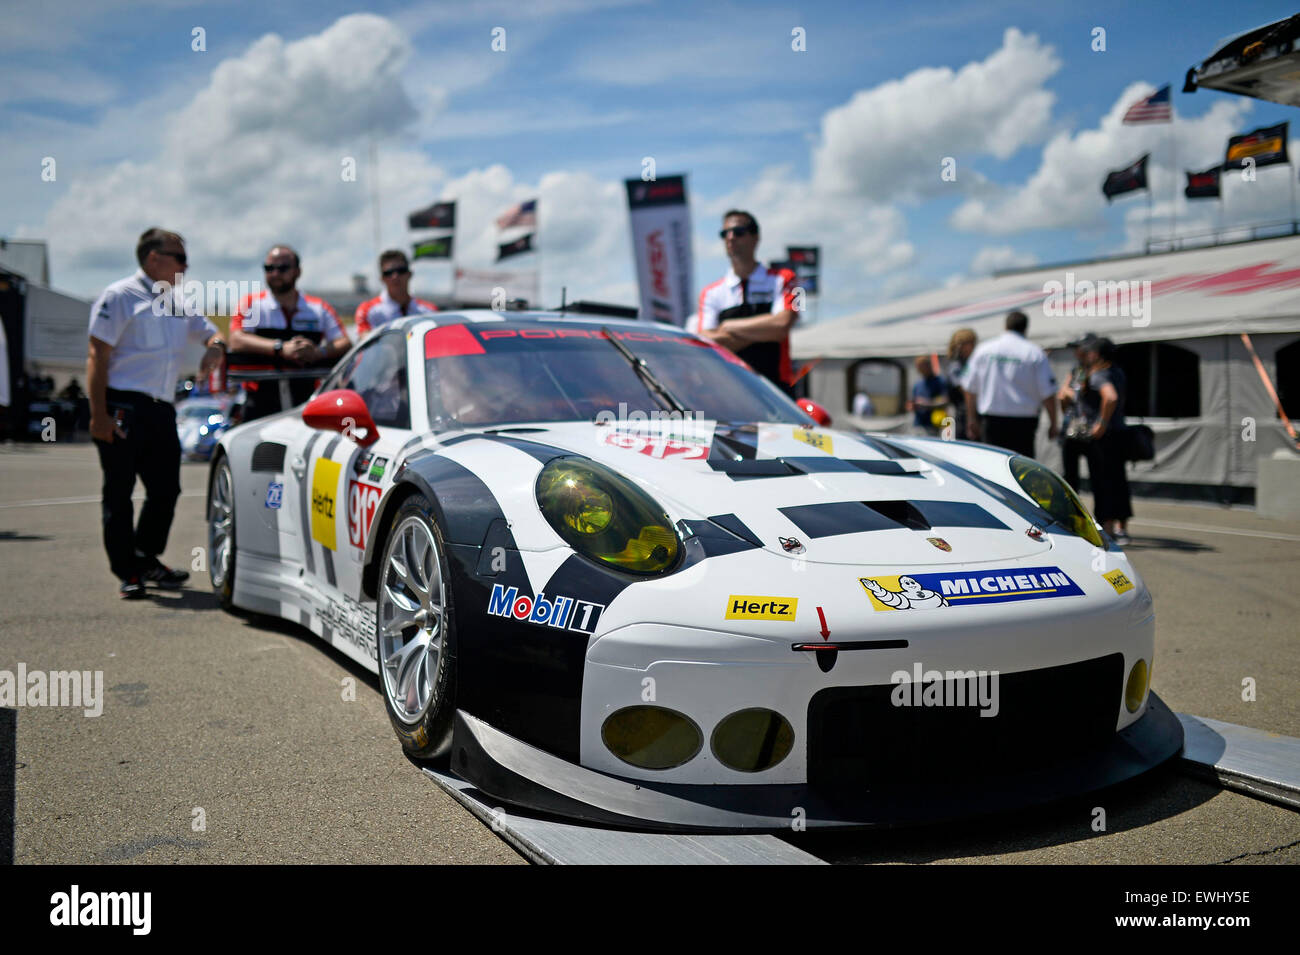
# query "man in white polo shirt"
(1007, 381)
(138, 339)
(395, 301)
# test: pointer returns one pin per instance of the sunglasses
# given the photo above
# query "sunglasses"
(277, 268)
(738, 231)
(178, 256)
(398, 270)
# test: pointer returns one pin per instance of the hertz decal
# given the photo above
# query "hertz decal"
(1118, 580)
(822, 442)
(324, 489)
(751, 607)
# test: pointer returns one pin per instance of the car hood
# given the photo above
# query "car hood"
(807, 493)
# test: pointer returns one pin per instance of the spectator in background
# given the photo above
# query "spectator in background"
(752, 308)
(863, 406)
(1009, 378)
(929, 399)
(1076, 429)
(1103, 402)
(395, 301)
(283, 323)
(960, 347)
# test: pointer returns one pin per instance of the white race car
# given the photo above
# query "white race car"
(617, 576)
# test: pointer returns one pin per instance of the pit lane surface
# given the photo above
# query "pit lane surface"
(247, 721)
(203, 710)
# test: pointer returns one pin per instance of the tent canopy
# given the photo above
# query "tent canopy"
(1246, 287)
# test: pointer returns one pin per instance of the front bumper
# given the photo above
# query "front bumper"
(506, 769)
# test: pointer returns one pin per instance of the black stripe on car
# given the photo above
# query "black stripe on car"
(852, 517)
(796, 466)
(886, 448)
(736, 441)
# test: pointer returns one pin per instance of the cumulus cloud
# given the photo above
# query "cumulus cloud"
(1065, 191)
(263, 154)
(889, 141)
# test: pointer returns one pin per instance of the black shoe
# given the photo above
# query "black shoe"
(132, 589)
(164, 576)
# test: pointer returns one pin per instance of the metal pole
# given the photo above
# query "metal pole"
(1173, 148)
(1291, 179)
(374, 192)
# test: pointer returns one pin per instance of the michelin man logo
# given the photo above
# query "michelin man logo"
(912, 595)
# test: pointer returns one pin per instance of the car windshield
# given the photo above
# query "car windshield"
(496, 373)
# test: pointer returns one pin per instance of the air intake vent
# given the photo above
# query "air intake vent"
(900, 512)
(268, 456)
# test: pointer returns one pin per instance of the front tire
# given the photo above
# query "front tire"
(415, 632)
(221, 534)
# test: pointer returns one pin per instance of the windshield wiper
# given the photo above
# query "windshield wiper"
(646, 375)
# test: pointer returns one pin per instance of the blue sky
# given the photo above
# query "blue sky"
(840, 145)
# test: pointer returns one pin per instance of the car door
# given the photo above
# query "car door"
(339, 484)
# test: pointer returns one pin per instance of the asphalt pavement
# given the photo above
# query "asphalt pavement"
(225, 739)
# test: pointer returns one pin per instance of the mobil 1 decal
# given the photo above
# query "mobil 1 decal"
(960, 589)
(556, 611)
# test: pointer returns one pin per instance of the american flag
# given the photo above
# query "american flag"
(1156, 108)
(523, 214)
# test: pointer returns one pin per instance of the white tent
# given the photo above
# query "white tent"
(1178, 318)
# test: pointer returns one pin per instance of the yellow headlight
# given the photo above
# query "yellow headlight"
(1136, 689)
(752, 740)
(1056, 497)
(604, 516)
(651, 737)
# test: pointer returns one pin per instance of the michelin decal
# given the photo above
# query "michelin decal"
(949, 589)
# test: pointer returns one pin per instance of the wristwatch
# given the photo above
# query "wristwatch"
(278, 346)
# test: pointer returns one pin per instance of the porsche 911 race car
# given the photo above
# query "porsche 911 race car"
(615, 575)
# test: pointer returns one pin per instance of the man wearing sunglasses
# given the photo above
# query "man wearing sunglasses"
(751, 309)
(395, 301)
(283, 324)
(138, 341)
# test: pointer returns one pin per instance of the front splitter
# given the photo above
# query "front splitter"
(511, 771)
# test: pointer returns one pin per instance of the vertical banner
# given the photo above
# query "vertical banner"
(661, 248)
(805, 261)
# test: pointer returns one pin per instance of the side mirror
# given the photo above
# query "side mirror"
(815, 411)
(343, 411)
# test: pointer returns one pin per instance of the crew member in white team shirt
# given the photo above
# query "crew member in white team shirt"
(138, 339)
(285, 324)
(395, 301)
(1008, 379)
(751, 309)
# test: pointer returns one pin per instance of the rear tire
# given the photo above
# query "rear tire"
(415, 631)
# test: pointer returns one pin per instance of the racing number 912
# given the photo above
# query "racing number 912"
(363, 501)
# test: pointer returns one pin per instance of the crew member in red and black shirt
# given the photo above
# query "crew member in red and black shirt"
(751, 309)
(395, 301)
(283, 323)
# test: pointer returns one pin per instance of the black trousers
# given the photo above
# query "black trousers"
(151, 451)
(1111, 498)
(1013, 433)
(1071, 451)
